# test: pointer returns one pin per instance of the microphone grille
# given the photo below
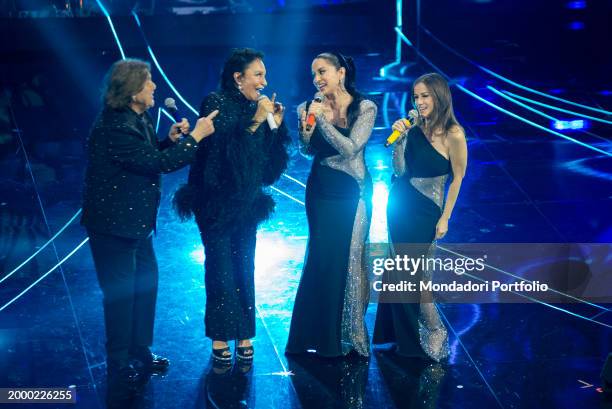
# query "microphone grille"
(413, 114)
(170, 103)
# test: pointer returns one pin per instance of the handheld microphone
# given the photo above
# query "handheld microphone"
(395, 135)
(270, 117)
(170, 104)
(310, 120)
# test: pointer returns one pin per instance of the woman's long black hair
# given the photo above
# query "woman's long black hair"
(339, 61)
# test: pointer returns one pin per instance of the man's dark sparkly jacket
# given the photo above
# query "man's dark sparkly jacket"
(123, 177)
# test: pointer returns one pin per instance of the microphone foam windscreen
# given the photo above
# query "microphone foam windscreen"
(170, 103)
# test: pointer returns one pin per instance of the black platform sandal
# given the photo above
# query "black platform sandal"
(245, 354)
(222, 355)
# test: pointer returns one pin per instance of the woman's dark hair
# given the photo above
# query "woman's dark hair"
(343, 61)
(238, 61)
(124, 79)
(442, 116)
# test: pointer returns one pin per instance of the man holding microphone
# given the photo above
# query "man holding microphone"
(121, 198)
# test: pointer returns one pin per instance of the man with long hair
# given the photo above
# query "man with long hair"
(121, 197)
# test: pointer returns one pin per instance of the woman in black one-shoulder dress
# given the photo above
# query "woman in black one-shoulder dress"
(430, 153)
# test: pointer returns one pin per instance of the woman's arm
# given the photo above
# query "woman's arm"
(399, 164)
(360, 131)
(277, 157)
(458, 158)
(211, 103)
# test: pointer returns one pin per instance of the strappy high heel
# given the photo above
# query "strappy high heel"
(222, 355)
(245, 353)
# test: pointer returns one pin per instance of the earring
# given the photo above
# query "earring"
(240, 86)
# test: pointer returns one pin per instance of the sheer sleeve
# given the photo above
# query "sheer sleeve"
(360, 131)
(399, 162)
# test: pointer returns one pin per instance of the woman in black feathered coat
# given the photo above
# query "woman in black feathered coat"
(226, 195)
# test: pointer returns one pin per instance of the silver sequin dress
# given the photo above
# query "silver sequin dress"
(332, 298)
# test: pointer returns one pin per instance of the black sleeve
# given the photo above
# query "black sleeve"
(165, 144)
(209, 156)
(128, 149)
(276, 154)
(209, 104)
(228, 123)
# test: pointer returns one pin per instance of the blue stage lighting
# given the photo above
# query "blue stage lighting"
(570, 125)
(576, 25)
(197, 255)
(378, 227)
(576, 5)
(380, 165)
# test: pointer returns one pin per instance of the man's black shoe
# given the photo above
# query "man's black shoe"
(159, 363)
(151, 363)
(125, 374)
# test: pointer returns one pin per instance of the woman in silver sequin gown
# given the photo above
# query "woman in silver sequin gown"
(328, 315)
(417, 214)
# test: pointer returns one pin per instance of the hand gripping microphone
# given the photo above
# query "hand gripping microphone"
(310, 120)
(395, 135)
(270, 117)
